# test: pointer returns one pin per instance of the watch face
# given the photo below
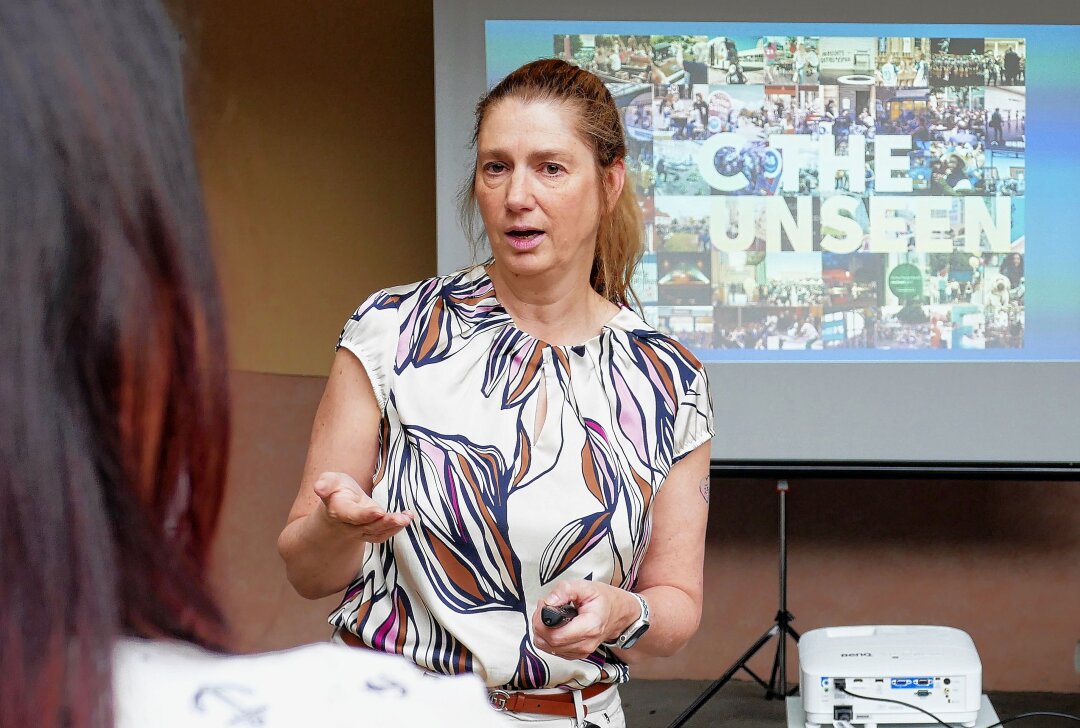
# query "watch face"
(635, 635)
(636, 629)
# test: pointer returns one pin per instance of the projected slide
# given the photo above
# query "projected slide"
(832, 195)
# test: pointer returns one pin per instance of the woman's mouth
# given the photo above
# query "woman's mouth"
(524, 238)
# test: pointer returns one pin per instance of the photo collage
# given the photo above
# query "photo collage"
(818, 192)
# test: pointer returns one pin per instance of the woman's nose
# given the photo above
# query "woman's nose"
(519, 192)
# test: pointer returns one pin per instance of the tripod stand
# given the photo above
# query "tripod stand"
(776, 687)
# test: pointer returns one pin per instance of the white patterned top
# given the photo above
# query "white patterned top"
(501, 513)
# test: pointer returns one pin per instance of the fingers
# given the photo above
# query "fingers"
(568, 591)
(580, 636)
(346, 503)
(386, 526)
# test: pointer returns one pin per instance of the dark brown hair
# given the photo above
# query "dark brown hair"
(114, 431)
(618, 243)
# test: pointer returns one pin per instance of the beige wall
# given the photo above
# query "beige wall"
(315, 132)
(316, 138)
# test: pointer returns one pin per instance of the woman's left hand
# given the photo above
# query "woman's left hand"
(603, 612)
(669, 579)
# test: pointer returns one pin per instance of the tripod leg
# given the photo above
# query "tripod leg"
(781, 661)
(777, 685)
(723, 679)
(786, 630)
(777, 671)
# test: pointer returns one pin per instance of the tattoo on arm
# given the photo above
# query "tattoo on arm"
(704, 488)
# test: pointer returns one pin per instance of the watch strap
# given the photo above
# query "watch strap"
(637, 628)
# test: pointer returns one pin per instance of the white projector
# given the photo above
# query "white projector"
(935, 668)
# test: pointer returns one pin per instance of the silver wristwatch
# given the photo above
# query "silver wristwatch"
(636, 630)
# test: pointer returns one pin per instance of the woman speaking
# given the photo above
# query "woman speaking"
(513, 436)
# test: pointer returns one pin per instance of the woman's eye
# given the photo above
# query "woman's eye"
(552, 169)
(494, 167)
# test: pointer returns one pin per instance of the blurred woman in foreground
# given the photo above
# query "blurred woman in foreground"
(115, 424)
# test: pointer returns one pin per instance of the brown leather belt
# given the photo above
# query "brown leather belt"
(519, 702)
(545, 704)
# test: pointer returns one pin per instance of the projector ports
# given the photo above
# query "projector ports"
(842, 712)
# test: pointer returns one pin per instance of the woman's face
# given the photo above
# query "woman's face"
(538, 189)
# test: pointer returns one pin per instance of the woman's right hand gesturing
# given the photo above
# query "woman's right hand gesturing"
(333, 518)
(345, 504)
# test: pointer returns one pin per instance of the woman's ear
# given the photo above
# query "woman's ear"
(614, 179)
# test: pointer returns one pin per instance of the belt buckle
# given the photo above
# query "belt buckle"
(498, 699)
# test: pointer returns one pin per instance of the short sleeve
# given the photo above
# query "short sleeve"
(694, 420)
(371, 333)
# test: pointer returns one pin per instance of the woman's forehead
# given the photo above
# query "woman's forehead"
(530, 123)
(556, 112)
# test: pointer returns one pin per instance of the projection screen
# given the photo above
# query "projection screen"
(837, 208)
